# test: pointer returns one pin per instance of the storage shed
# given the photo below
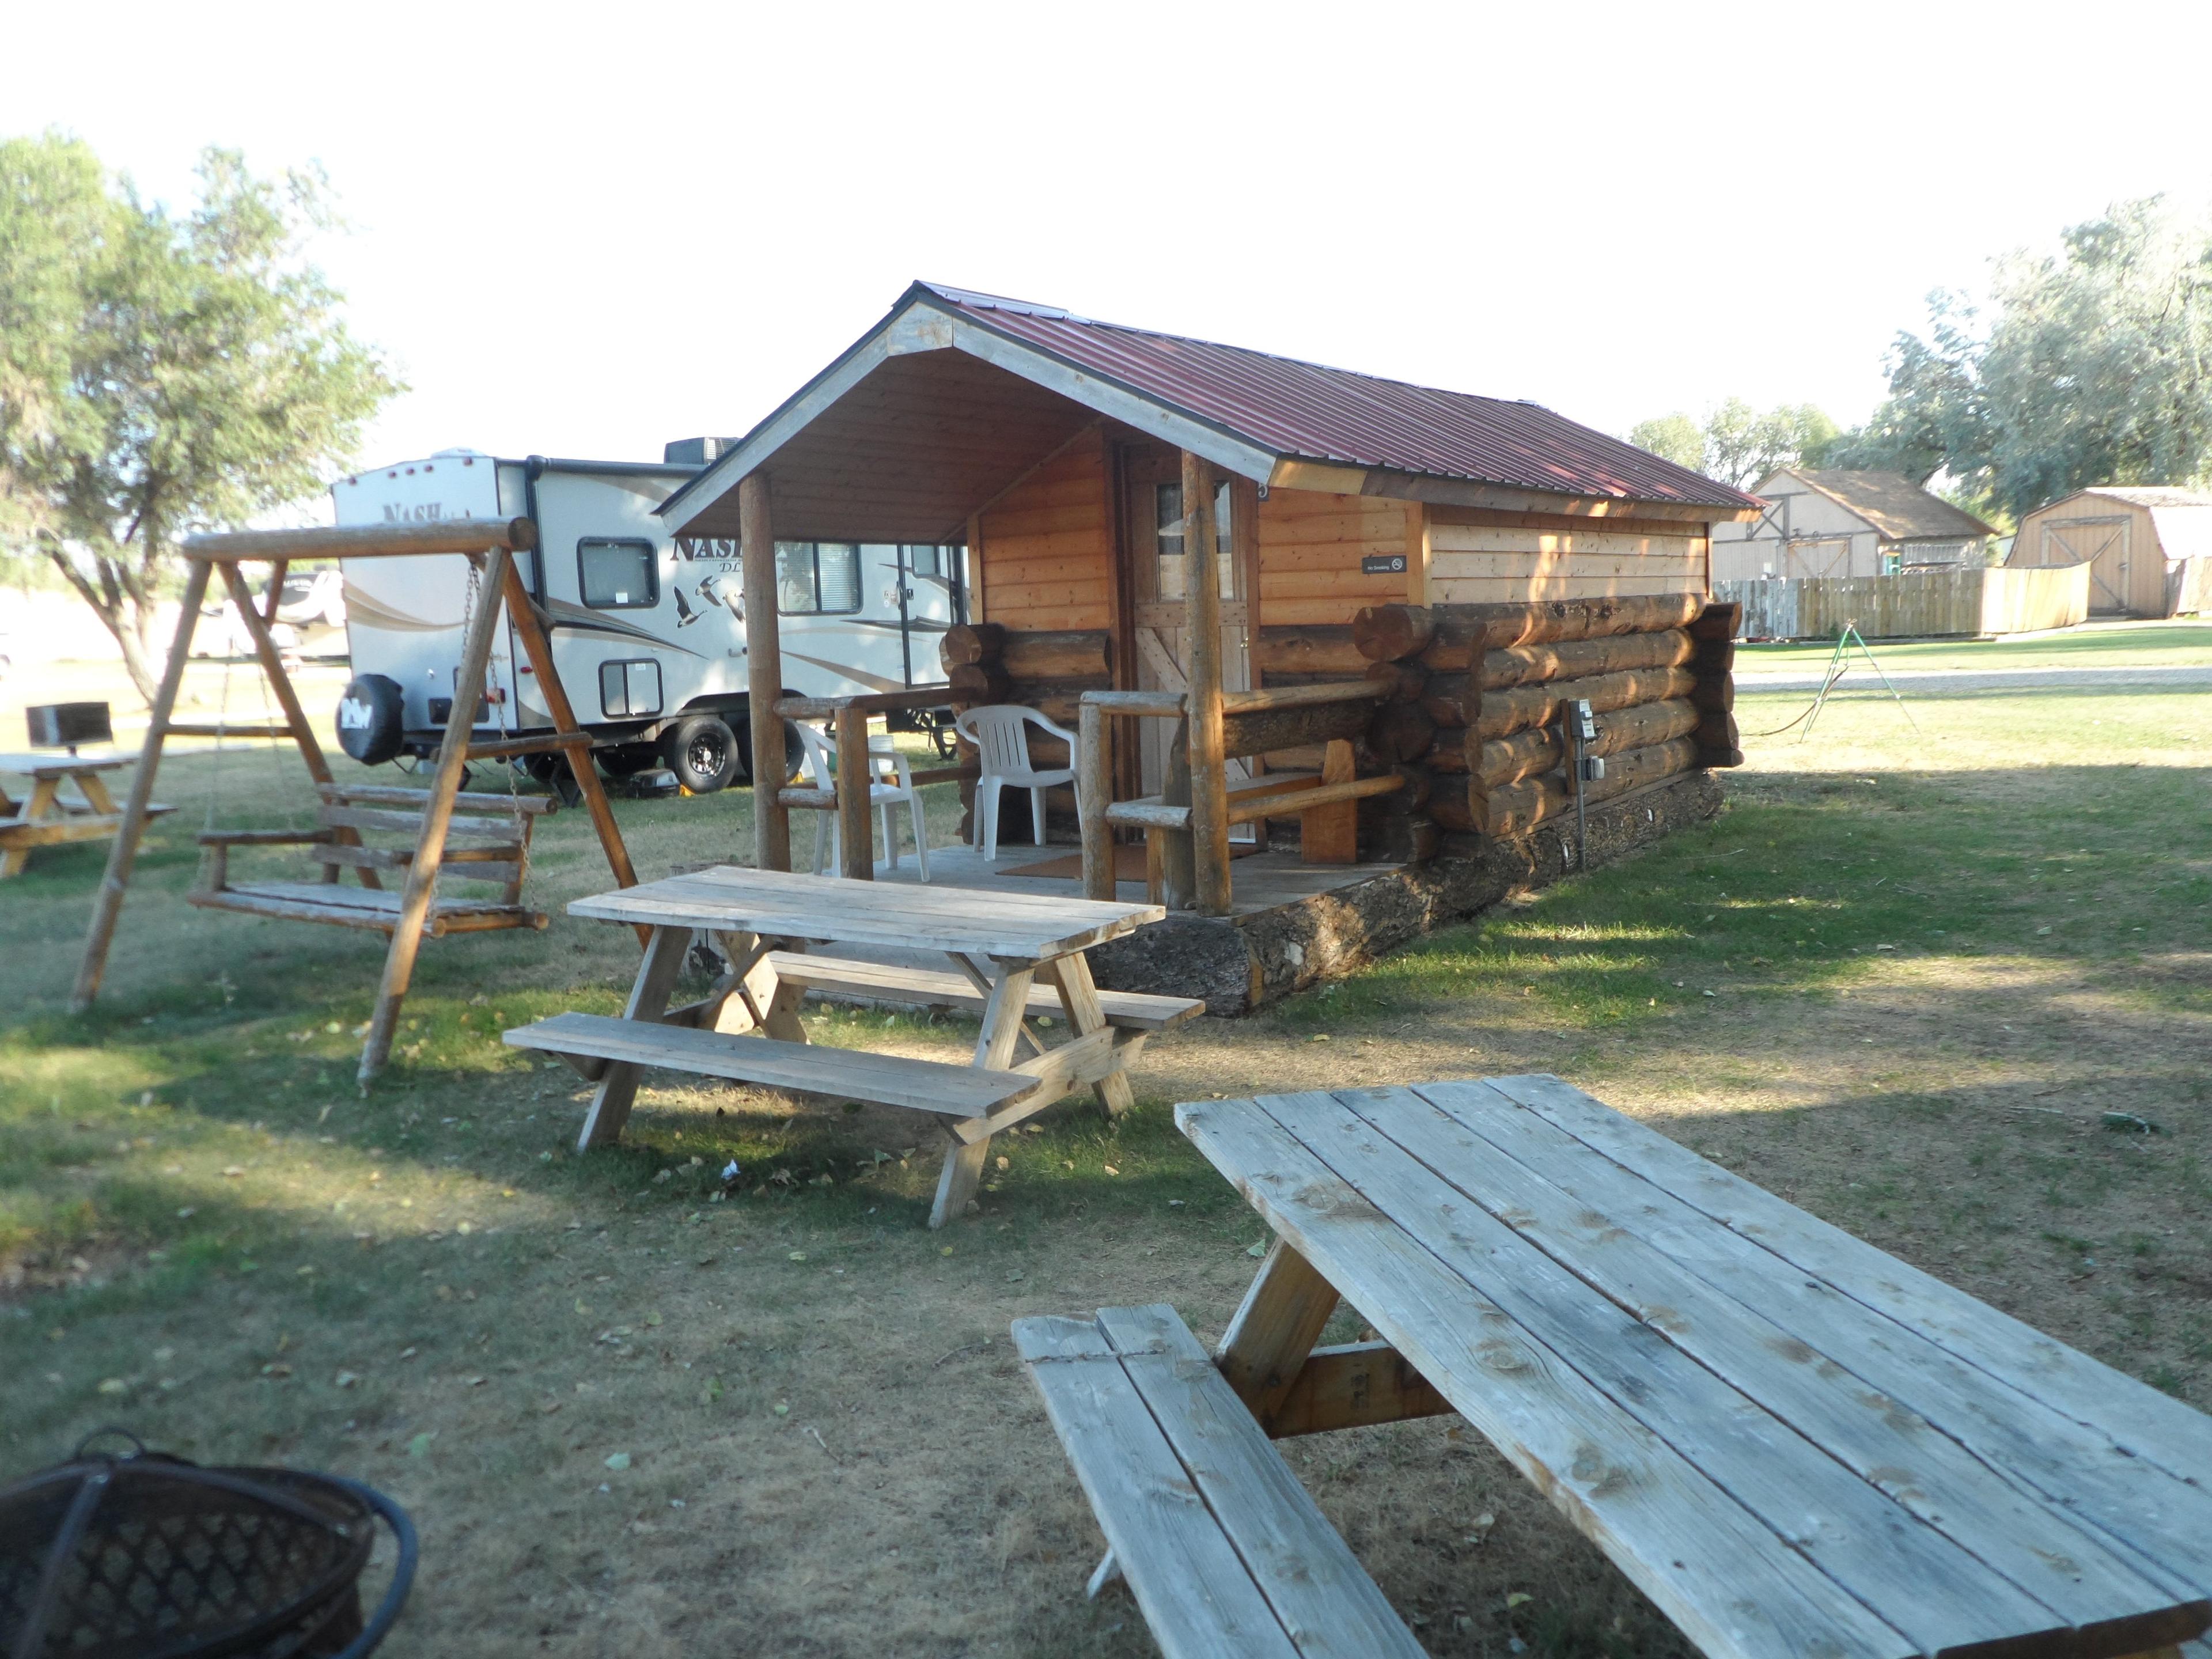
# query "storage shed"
(1828, 523)
(2148, 547)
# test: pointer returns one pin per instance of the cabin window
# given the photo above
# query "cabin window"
(1173, 588)
(817, 578)
(629, 689)
(618, 575)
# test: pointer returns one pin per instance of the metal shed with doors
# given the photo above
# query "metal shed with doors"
(1827, 523)
(2148, 547)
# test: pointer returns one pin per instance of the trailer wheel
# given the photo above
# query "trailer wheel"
(702, 751)
(794, 752)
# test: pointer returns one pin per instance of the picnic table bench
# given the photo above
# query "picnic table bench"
(1792, 1442)
(1017, 955)
(47, 817)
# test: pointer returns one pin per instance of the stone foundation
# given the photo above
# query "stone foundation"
(1239, 964)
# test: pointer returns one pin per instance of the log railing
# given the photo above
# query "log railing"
(847, 719)
(1252, 723)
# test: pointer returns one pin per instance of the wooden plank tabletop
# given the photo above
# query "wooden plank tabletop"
(1793, 1442)
(62, 766)
(784, 904)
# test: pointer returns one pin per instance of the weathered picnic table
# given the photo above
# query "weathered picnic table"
(1017, 955)
(49, 818)
(1792, 1442)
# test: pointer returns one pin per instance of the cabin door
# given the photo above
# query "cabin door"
(1155, 519)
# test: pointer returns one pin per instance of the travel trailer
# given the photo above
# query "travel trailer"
(648, 629)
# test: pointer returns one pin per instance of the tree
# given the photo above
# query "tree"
(159, 375)
(2093, 365)
(1737, 444)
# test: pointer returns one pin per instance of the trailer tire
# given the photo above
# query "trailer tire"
(794, 752)
(702, 751)
(372, 721)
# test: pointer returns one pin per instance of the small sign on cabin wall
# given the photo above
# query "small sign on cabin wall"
(1383, 564)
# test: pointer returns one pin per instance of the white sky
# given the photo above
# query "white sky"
(582, 231)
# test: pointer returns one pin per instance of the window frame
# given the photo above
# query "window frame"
(814, 554)
(652, 572)
(629, 713)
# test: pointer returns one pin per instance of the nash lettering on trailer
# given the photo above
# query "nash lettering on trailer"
(699, 550)
(423, 511)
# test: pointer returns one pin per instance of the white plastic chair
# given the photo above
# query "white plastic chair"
(821, 767)
(997, 731)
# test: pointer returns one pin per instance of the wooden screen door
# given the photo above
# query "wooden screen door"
(1156, 539)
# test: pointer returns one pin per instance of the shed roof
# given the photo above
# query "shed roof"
(1276, 420)
(2152, 495)
(1899, 509)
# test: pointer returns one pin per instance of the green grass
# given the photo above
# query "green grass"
(2096, 644)
(207, 1233)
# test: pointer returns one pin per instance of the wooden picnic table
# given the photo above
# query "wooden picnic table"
(1792, 1442)
(1016, 955)
(49, 818)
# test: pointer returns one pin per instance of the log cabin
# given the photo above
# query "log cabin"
(1090, 469)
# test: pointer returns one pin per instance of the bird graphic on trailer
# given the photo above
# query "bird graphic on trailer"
(723, 587)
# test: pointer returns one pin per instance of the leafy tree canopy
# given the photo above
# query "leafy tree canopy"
(159, 372)
(1736, 443)
(2090, 366)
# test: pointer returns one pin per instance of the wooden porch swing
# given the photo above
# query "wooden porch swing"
(478, 837)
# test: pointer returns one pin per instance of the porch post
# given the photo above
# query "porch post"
(1209, 787)
(763, 675)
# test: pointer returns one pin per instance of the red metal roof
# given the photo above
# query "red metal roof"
(1310, 412)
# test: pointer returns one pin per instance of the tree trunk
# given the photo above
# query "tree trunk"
(130, 633)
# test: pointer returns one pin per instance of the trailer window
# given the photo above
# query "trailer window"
(922, 559)
(815, 578)
(618, 575)
(629, 689)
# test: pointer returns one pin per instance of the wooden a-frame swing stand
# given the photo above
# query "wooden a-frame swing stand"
(417, 912)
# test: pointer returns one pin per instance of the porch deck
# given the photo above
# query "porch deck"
(1265, 881)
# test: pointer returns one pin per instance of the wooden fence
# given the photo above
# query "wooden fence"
(1912, 605)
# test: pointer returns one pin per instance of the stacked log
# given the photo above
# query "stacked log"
(1476, 692)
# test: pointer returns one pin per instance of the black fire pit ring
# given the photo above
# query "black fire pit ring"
(147, 1556)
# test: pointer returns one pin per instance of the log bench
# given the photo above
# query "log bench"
(1223, 1549)
(1792, 1442)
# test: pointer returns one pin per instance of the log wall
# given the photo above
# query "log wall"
(1046, 558)
(1311, 546)
(1477, 691)
(1476, 556)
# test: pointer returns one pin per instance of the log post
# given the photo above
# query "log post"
(764, 674)
(1094, 789)
(1209, 785)
(855, 774)
(123, 852)
(422, 887)
(1170, 849)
